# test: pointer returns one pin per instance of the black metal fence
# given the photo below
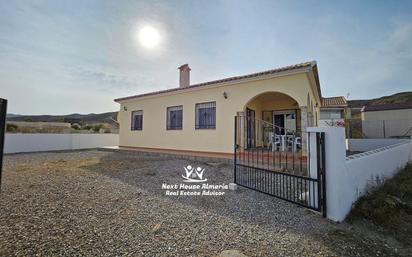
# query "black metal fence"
(3, 111)
(274, 161)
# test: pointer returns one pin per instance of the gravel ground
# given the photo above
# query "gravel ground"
(98, 203)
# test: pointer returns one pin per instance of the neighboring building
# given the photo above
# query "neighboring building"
(387, 120)
(334, 111)
(200, 117)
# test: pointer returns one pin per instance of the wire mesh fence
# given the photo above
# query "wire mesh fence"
(397, 128)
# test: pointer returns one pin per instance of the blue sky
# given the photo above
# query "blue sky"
(60, 57)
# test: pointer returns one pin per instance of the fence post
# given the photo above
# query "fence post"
(335, 165)
(3, 113)
(323, 173)
(235, 148)
(313, 163)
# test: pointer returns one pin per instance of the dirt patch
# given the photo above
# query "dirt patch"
(102, 203)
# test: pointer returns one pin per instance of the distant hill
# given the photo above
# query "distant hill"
(402, 97)
(107, 117)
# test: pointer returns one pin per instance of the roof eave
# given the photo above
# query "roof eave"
(212, 84)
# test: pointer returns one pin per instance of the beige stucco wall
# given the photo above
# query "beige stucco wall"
(155, 135)
(389, 123)
(388, 115)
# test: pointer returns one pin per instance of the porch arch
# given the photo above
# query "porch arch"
(272, 98)
(276, 108)
(266, 103)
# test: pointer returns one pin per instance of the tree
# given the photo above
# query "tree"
(75, 126)
(96, 128)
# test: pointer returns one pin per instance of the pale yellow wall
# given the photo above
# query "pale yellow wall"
(404, 114)
(155, 135)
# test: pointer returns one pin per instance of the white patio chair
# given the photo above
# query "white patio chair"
(276, 142)
(298, 142)
(290, 142)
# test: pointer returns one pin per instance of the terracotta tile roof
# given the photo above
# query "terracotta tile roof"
(385, 107)
(311, 64)
(336, 101)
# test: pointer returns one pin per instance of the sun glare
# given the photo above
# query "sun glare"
(148, 36)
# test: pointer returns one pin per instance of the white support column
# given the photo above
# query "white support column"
(335, 169)
(303, 126)
(313, 167)
(241, 129)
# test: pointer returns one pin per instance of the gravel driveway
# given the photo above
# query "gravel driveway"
(98, 203)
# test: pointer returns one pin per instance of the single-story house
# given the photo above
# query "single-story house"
(200, 117)
(334, 111)
(387, 120)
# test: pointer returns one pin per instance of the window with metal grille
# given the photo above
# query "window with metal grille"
(174, 117)
(206, 115)
(137, 120)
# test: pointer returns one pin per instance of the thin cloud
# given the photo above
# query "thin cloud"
(109, 81)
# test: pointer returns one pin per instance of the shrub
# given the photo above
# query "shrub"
(389, 206)
(96, 128)
(75, 126)
(10, 127)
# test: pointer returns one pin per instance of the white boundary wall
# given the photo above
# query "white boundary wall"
(19, 143)
(348, 178)
(366, 144)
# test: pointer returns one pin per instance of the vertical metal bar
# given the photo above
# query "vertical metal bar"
(318, 159)
(301, 151)
(235, 149)
(280, 160)
(290, 188)
(308, 153)
(248, 176)
(324, 209)
(3, 113)
(246, 139)
(294, 189)
(273, 159)
(286, 148)
(293, 152)
(271, 183)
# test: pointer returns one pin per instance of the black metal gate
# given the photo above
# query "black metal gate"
(3, 111)
(280, 165)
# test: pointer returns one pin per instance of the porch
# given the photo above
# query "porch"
(275, 120)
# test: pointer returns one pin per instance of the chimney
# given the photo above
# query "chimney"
(184, 75)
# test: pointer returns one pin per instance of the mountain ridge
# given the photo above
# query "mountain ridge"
(111, 117)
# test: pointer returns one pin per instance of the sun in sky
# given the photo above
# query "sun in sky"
(148, 36)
